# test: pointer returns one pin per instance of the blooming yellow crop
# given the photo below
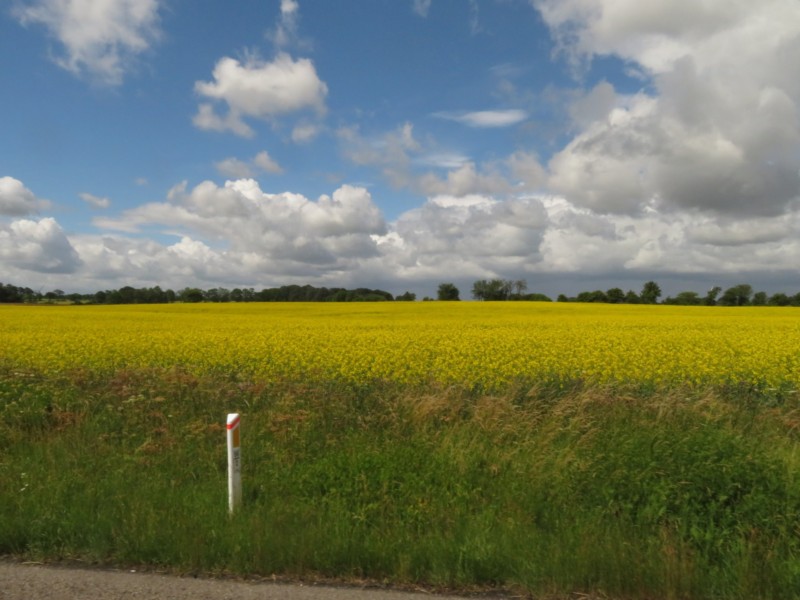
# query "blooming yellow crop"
(487, 345)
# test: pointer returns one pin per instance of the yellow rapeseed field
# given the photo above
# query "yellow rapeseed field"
(477, 345)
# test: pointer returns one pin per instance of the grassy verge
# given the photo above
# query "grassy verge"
(630, 493)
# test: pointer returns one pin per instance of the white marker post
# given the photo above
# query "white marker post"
(234, 463)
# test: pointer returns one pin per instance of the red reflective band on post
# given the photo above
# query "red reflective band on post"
(233, 423)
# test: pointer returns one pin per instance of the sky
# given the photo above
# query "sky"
(398, 144)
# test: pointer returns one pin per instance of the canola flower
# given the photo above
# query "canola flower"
(478, 345)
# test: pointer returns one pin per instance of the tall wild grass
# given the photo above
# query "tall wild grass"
(629, 493)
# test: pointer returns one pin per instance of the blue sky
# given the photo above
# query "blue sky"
(578, 144)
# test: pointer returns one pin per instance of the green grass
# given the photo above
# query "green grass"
(629, 493)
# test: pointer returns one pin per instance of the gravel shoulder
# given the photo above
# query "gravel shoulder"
(23, 581)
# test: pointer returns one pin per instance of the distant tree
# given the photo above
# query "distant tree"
(535, 297)
(127, 295)
(158, 295)
(191, 295)
(520, 286)
(54, 295)
(650, 293)
(615, 296)
(505, 288)
(759, 299)
(562, 298)
(711, 297)
(738, 295)
(595, 296)
(480, 289)
(494, 289)
(407, 297)
(12, 293)
(688, 299)
(448, 291)
(779, 299)
(368, 295)
(217, 295)
(309, 293)
(632, 297)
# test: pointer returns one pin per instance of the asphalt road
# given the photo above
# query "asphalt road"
(38, 582)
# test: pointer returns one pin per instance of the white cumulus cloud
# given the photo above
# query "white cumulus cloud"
(16, 200)
(285, 31)
(304, 132)
(421, 7)
(463, 181)
(96, 201)
(234, 168)
(281, 232)
(469, 236)
(259, 89)
(264, 162)
(240, 169)
(486, 118)
(39, 246)
(406, 162)
(100, 39)
(720, 131)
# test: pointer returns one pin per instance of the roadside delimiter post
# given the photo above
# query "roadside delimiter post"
(234, 463)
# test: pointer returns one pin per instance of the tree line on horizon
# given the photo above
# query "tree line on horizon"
(156, 295)
(482, 290)
(737, 295)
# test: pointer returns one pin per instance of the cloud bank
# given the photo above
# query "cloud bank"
(237, 234)
(720, 131)
(695, 173)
